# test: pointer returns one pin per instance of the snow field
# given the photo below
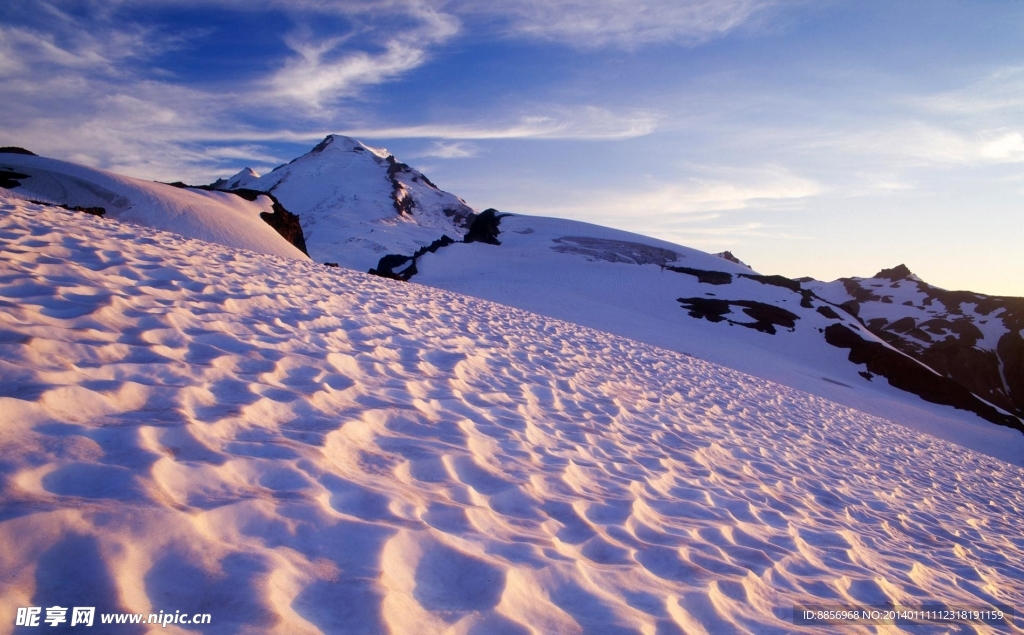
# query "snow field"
(217, 217)
(296, 449)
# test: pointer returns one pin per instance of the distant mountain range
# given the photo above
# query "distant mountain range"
(881, 344)
(971, 338)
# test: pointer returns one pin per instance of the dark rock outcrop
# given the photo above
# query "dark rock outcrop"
(400, 198)
(907, 374)
(484, 228)
(16, 150)
(727, 255)
(9, 179)
(386, 267)
(399, 267)
(899, 272)
(950, 341)
(828, 312)
(766, 316)
(704, 276)
(283, 221)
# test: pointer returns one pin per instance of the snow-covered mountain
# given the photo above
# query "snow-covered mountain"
(692, 302)
(362, 208)
(358, 204)
(188, 430)
(218, 217)
(974, 339)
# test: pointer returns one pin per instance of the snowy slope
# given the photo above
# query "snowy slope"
(358, 203)
(243, 179)
(361, 208)
(298, 449)
(632, 285)
(217, 217)
(976, 339)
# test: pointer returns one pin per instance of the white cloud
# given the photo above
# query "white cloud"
(557, 122)
(726, 190)
(999, 91)
(450, 150)
(1006, 148)
(311, 79)
(624, 23)
(326, 69)
(915, 144)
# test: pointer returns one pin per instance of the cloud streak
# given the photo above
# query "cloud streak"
(726, 190)
(581, 123)
(326, 69)
(625, 23)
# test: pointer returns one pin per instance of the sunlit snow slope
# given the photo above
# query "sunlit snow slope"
(298, 449)
(632, 285)
(217, 217)
(363, 209)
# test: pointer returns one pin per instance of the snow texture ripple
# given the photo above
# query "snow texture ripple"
(297, 449)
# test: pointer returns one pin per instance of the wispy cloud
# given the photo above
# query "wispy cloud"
(310, 79)
(325, 69)
(624, 23)
(913, 143)
(558, 122)
(998, 91)
(450, 150)
(721, 191)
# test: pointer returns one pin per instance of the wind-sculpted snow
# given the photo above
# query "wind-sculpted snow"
(217, 217)
(300, 449)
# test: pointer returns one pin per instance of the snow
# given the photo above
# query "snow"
(535, 269)
(243, 179)
(344, 197)
(906, 298)
(218, 217)
(300, 449)
(599, 277)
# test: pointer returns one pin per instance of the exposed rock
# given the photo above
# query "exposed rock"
(703, 276)
(625, 251)
(403, 203)
(727, 255)
(9, 179)
(948, 340)
(766, 316)
(484, 228)
(899, 272)
(907, 374)
(93, 211)
(16, 150)
(387, 265)
(283, 221)
(828, 312)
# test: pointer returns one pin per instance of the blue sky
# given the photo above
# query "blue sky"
(827, 138)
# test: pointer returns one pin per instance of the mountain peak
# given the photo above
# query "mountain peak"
(240, 180)
(899, 272)
(727, 255)
(346, 144)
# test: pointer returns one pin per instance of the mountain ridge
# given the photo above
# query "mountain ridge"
(361, 207)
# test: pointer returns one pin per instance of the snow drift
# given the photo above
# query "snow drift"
(301, 449)
(217, 217)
